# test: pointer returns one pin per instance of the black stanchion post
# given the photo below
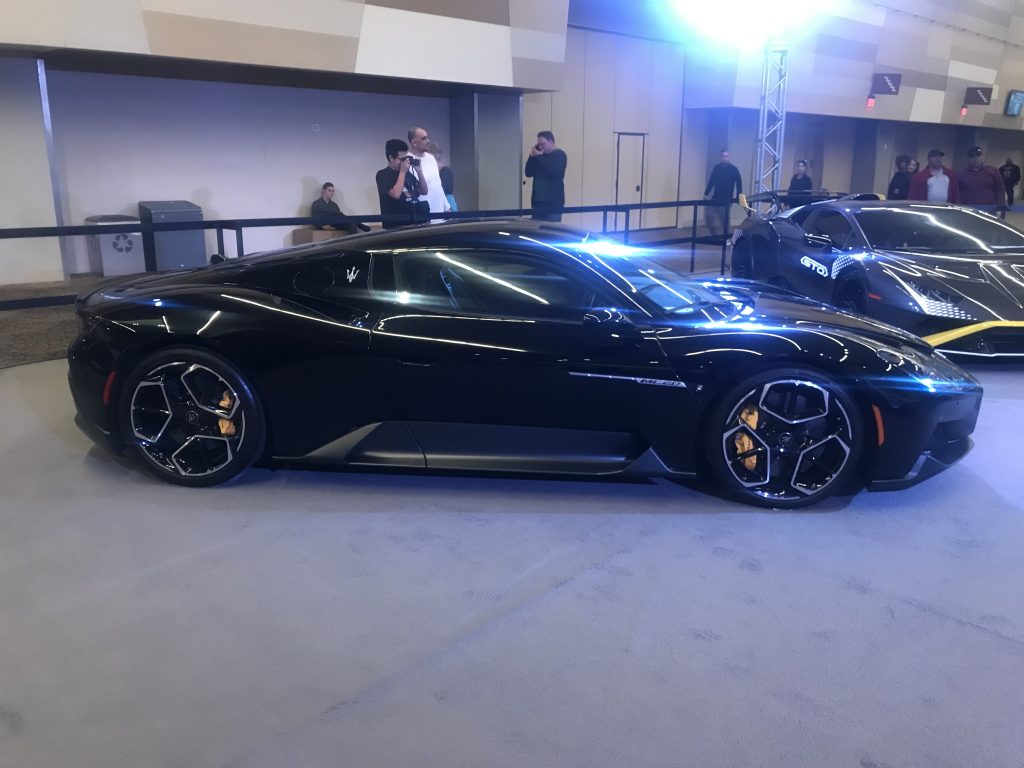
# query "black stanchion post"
(604, 222)
(220, 240)
(693, 240)
(725, 236)
(625, 233)
(239, 244)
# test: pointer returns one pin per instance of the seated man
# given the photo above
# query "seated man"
(325, 206)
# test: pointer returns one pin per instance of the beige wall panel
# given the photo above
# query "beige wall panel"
(90, 27)
(188, 37)
(530, 44)
(837, 153)
(661, 179)
(338, 17)
(471, 10)
(693, 155)
(454, 50)
(239, 151)
(599, 124)
(26, 197)
(632, 85)
(568, 118)
(537, 74)
(39, 22)
(543, 15)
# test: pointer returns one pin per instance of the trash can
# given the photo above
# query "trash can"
(176, 248)
(120, 253)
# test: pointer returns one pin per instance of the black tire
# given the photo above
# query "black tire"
(851, 295)
(742, 264)
(190, 417)
(784, 438)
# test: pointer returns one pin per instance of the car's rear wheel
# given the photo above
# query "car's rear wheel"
(191, 417)
(785, 438)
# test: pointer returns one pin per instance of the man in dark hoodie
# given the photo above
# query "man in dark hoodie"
(723, 189)
(546, 165)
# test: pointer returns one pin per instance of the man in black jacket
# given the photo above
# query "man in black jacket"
(546, 165)
(723, 189)
(325, 206)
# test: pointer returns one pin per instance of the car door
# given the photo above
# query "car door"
(811, 251)
(498, 357)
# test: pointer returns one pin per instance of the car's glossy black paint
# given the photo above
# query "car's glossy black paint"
(985, 314)
(346, 374)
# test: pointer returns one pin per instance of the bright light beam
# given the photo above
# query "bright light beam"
(751, 23)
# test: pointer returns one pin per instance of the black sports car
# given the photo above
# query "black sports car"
(952, 275)
(509, 346)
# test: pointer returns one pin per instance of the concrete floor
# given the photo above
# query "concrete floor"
(309, 619)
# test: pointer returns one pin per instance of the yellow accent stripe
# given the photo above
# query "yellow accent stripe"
(938, 339)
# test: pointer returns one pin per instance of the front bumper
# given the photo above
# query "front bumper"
(923, 439)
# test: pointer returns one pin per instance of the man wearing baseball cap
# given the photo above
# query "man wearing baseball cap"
(981, 184)
(935, 182)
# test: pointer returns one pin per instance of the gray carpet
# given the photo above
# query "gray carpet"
(34, 335)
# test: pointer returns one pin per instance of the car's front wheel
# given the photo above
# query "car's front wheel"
(785, 438)
(191, 417)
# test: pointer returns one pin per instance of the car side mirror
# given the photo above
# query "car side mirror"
(606, 318)
(818, 241)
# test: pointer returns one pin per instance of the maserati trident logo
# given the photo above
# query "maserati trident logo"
(351, 274)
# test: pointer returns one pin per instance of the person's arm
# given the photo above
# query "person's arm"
(738, 180)
(396, 191)
(997, 178)
(954, 187)
(421, 178)
(557, 164)
(918, 187)
(531, 164)
(711, 182)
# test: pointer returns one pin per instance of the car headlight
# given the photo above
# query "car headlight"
(928, 370)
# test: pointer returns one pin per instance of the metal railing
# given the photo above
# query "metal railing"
(625, 212)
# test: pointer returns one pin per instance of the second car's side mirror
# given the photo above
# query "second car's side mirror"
(819, 241)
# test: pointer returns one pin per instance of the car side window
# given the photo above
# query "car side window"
(490, 283)
(831, 224)
(339, 276)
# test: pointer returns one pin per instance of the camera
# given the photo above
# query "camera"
(413, 160)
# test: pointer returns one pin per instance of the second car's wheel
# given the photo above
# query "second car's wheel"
(850, 295)
(191, 417)
(742, 260)
(785, 438)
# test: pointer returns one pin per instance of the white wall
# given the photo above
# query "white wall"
(238, 151)
(26, 197)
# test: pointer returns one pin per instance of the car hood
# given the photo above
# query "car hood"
(756, 307)
(993, 286)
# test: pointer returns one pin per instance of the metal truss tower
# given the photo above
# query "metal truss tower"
(771, 132)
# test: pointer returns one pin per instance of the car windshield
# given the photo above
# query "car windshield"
(669, 290)
(936, 228)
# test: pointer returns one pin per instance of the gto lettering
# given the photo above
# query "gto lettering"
(812, 264)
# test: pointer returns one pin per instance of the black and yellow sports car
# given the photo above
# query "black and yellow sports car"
(952, 275)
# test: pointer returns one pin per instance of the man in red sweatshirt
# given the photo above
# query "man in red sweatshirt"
(980, 184)
(935, 182)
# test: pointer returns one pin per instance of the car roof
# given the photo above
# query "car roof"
(426, 233)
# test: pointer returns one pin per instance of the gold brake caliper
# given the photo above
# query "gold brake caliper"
(226, 426)
(749, 415)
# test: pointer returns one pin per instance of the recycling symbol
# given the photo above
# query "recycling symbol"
(122, 242)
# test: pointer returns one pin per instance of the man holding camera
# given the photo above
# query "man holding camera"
(400, 186)
(546, 165)
(419, 144)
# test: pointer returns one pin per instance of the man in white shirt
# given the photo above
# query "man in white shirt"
(419, 140)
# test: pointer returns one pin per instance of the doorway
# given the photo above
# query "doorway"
(630, 155)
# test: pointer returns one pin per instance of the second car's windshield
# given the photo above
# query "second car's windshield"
(640, 274)
(936, 228)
